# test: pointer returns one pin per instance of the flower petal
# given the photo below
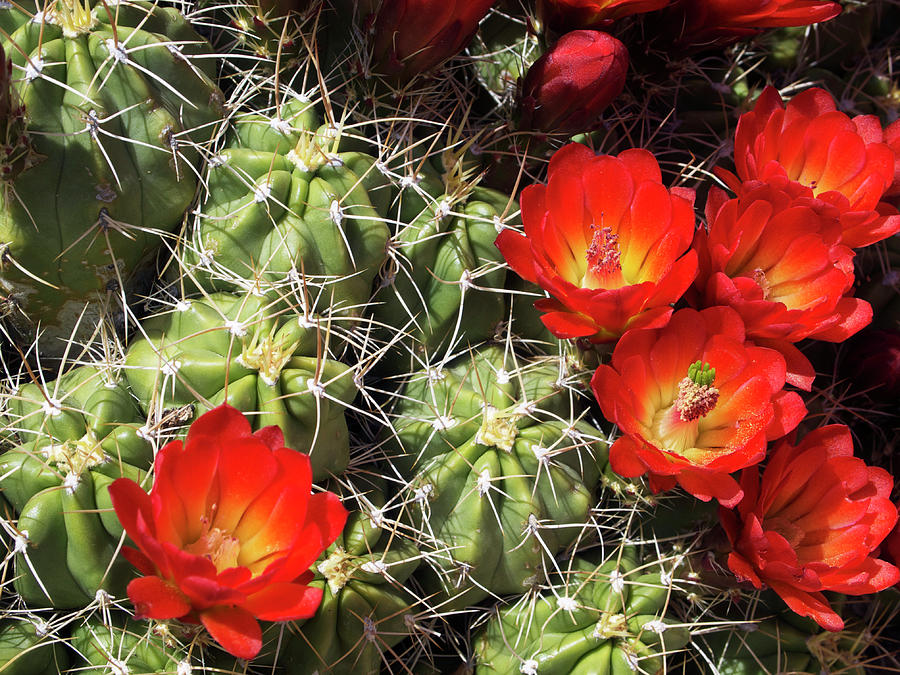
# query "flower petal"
(235, 629)
(155, 598)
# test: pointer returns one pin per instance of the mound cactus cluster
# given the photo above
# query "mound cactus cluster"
(514, 337)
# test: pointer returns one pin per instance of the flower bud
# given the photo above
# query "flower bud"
(413, 36)
(569, 86)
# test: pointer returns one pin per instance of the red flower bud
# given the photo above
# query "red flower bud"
(414, 36)
(569, 86)
(564, 15)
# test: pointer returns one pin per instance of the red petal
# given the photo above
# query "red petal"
(516, 248)
(143, 564)
(272, 436)
(325, 519)
(623, 458)
(813, 605)
(155, 598)
(128, 499)
(284, 602)
(222, 422)
(567, 325)
(235, 629)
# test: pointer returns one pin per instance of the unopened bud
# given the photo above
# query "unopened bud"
(569, 86)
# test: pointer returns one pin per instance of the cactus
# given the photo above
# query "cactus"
(234, 349)
(116, 105)
(366, 608)
(294, 211)
(441, 285)
(606, 618)
(127, 646)
(500, 471)
(23, 651)
(80, 433)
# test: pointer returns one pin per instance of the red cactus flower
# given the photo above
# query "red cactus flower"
(228, 532)
(565, 15)
(843, 161)
(892, 138)
(812, 523)
(778, 262)
(566, 89)
(724, 20)
(414, 36)
(607, 240)
(694, 403)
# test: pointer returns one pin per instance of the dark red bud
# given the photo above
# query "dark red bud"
(569, 86)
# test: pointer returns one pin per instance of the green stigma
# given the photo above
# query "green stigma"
(701, 374)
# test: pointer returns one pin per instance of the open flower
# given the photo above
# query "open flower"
(843, 161)
(694, 403)
(812, 523)
(778, 261)
(718, 20)
(607, 240)
(228, 532)
(414, 36)
(569, 86)
(565, 15)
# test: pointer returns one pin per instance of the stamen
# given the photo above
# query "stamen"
(603, 253)
(696, 395)
(760, 278)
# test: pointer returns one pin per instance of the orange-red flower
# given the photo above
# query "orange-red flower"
(694, 403)
(565, 15)
(566, 89)
(228, 532)
(843, 161)
(607, 240)
(778, 261)
(812, 523)
(715, 20)
(414, 36)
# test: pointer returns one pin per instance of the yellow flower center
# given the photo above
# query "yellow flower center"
(676, 427)
(217, 546)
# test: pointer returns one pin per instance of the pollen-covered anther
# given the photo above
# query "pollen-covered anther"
(603, 253)
(216, 545)
(696, 395)
(759, 276)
